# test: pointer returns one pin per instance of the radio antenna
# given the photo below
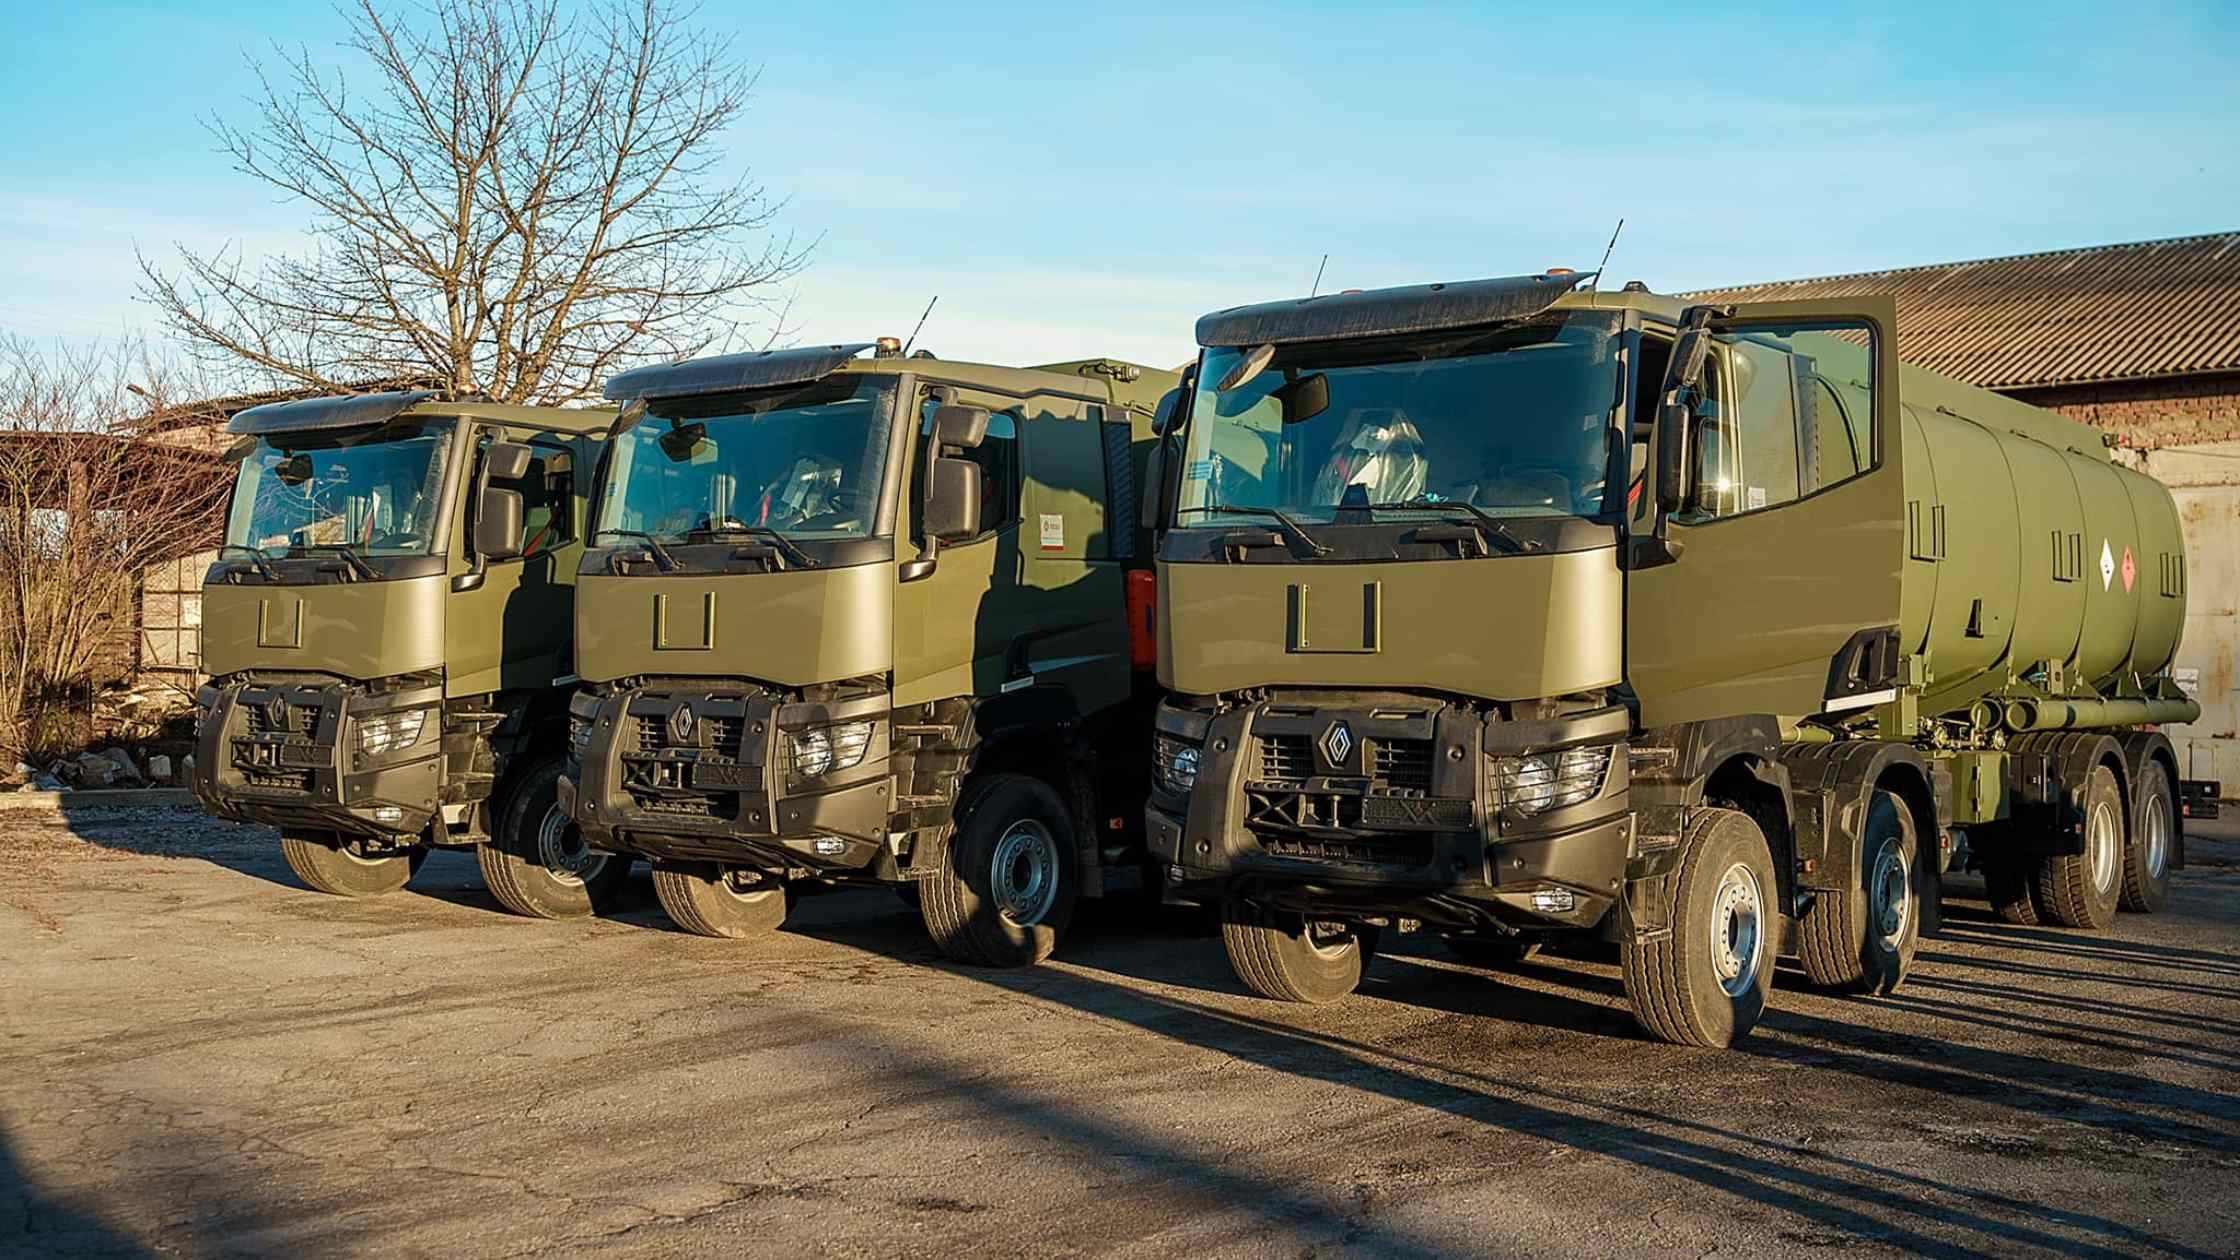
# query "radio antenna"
(1594, 281)
(920, 328)
(1317, 289)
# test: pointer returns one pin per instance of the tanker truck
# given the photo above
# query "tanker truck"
(1509, 611)
(861, 620)
(387, 633)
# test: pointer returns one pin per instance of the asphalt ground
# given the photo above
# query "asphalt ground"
(200, 1057)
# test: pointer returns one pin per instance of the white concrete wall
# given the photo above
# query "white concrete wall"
(2205, 479)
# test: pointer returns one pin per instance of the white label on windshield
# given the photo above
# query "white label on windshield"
(1053, 532)
(1755, 499)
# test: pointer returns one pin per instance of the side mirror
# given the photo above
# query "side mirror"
(497, 524)
(953, 505)
(1676, 432)
(957, 425)
(1150, 510)
(506, 461)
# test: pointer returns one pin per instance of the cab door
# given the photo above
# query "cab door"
(1790, 521)
(511, 628)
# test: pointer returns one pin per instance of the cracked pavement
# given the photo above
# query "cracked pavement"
(198, 1057)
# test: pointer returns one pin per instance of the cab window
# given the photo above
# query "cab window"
(1786, 413)
(546, 493)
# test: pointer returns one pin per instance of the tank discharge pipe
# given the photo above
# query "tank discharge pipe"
(2063, 715)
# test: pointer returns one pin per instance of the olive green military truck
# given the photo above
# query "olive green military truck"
(1514, 611)
(854, 619)
(387, 630)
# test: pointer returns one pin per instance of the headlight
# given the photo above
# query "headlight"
(825, 749)
(1177, 765)
(388, 732)
(1540, 782)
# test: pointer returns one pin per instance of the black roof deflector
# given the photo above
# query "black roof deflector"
(724, 373)
(1386, 312)
(339, 411)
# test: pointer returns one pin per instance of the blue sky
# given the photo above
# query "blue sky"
(1079, 181)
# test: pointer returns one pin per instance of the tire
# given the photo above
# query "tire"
(701, 899)
(1010, 875)
(1705, 982)
(2153, 843)
(2081, 890)
(2011, 884)
(1280, 955)
(322, 862)
(1493, 952)
(1862, 939)
(535, 862)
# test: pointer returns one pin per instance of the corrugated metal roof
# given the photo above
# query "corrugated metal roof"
(2069, 317)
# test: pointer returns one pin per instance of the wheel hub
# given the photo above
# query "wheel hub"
(2103, 842)
(562, 852)
(1891, 893)
(2158, 836)
(1328, 939)
(1023, 874)
(1737, 929)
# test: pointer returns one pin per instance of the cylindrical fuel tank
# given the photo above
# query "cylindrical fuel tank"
(2028, 547)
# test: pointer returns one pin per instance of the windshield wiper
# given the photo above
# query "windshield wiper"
(1489, 525)
(1290, 527)
(785, 546)
(257, 559)
(661, 554)
(350, 558)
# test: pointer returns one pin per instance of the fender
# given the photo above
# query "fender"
(1831, 788)
(2054, 823)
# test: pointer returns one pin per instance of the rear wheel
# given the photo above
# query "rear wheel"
(2081, 889)
(1292, 958)
(329, 864)
(1861, 939)
(1704, 983)
(2154, 839)
(706, 900)
(1009, 875)
(536, 862)
(2010, 883)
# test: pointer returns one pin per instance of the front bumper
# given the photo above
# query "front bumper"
(287, 754)
(1406, 823)
(720, 785)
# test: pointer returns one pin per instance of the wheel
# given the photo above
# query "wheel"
(2146, 859)
(2081, 889)
(1861, 939)
(326, 863)
(1009, 875)
(1490, 951)
(703, 899)
(1704, 983)
(2011, 884)
(1292, 959)
(536, 863)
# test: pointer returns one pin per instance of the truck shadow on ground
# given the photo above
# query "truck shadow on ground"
(172, 831)
(35, 1223)
(1829, 1192)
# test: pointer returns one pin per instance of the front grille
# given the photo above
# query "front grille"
(714, 731)
(651, 733)
(292, 719)
(721, 733)
(1389, 850)
(1283, 759)
(274, 780)
(677, 806)
(1402, 765)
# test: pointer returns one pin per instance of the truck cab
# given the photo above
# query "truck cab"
(852, 619)
(1513, 612)
(387, 630)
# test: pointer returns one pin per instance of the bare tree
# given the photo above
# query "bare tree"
(89, 499)
(524, 204)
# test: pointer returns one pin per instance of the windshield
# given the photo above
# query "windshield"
(374, 490)
(1515, 421)
(806, 462)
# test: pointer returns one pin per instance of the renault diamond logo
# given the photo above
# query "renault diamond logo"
(276, 712)
(680, 724)
(1337, 743)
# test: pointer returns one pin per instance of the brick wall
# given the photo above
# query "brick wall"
(2151, 414)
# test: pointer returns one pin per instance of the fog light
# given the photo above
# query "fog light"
(828, 846)
(388, 814)
(1554, 901)
(1176, 875)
